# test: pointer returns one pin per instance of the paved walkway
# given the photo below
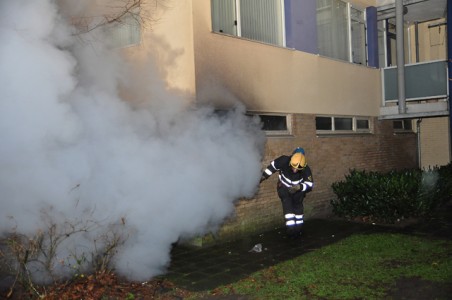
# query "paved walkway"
(199, 269)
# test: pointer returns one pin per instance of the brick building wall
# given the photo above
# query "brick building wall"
(330, 158)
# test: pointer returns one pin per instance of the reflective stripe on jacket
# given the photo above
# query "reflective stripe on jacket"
(287, 177)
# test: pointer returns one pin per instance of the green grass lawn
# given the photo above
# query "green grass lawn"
(359, 267)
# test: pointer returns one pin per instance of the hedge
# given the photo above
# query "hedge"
(393, 195)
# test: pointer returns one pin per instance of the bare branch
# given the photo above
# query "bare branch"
(110, 15)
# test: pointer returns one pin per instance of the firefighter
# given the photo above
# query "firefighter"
(295, 180)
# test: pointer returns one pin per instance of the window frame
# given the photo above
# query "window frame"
(237, 31)
(363, 22)
(403, 128)
(276, 133)
(127, 32)
(350, 21)
(363, 130)
(382, 44)
(354, 128)
(350, 53)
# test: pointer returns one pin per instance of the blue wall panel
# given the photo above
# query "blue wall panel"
(372, 37)
(301, 25)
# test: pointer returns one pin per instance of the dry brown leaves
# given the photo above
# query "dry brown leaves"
(105, 286)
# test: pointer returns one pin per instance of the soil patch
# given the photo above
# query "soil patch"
(109, 286)
(415, 288)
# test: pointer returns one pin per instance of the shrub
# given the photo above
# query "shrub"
(393, 195)
(60, 250)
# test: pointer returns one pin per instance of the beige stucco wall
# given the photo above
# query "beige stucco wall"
(167, 44)
(274, 79)
(434, 146)
(363, 3)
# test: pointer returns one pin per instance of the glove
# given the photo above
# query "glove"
(295, 188)
(298, 187)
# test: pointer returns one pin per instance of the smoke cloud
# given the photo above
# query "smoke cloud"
(74, 154)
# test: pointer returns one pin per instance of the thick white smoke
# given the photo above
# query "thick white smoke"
(74, 153)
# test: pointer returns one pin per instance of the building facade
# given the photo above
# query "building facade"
(313, 71)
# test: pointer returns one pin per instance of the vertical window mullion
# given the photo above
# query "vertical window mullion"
(408, 37)
(283, 21)
(349, 33)
(239, 23)
(385, 44)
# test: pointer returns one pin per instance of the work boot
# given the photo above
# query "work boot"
(298, 229)
(292, 231)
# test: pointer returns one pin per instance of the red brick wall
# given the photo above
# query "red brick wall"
(330, 158)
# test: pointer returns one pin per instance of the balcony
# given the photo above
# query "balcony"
(426, 91)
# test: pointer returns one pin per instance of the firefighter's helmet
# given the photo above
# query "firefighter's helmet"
(298, 149)
(298, 161)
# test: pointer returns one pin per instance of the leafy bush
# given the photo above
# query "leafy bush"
(394, 195)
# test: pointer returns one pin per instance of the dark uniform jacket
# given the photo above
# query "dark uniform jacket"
(287, 177)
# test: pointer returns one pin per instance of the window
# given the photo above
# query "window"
(382, 44)
(390, 40)
(339, 124)
(341, 27)
(343, 123)
(323, 123)
(224, 16)
(126, 32)
(341, 31)
(259, 20)
(402, 125)
(362, 124)
(332, 28)
(262, 20)
(358, 36)
(275, 124)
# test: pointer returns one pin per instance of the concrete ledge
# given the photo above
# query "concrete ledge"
(419, 110)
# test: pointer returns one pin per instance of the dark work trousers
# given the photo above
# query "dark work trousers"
(292, 205)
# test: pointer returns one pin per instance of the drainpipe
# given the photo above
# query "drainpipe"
(449, 65)
(400, 56)
(418, 129)
(416, 39)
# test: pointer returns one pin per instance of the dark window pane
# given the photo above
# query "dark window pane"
(407, 125)
(343, 123)
(402, 125)
(323, 123)
(397, 124)
(362, 124)
(273, 122)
